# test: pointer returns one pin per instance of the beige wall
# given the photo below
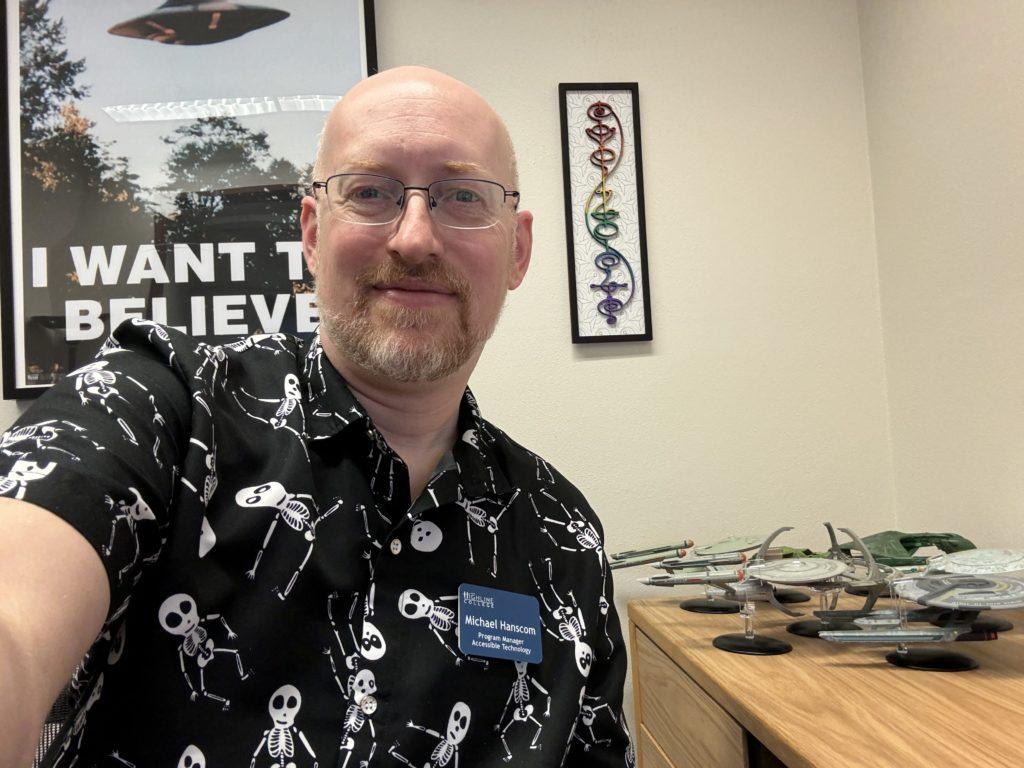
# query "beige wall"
(945, 105)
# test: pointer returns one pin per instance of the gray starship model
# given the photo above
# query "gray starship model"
(731, 544)
(979, 562)
(797, 570)
(892, 636)
(965, 593)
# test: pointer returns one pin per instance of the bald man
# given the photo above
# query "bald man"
(289, 553)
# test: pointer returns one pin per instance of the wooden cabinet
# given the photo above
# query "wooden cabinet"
(821, 706)
(666, 697)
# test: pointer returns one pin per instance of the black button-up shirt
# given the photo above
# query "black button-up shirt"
(276, 596)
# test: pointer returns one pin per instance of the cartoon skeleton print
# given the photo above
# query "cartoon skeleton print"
(288, 409)
(207, 536)
(522, 710)
(371, 646)
(447, 749)
(413, 604)
(130, 513)
(567, 618)
(179, 616)
(298, 512)
(192, 757)
(39, 436)
(477, 515)
(584, 532)
(589, 713)
(358, 714)
(282, 738)
(77, 732)
(21, 474)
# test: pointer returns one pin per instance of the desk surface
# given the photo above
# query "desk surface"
(826, 705)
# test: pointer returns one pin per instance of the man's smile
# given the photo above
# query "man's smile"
(414, 293)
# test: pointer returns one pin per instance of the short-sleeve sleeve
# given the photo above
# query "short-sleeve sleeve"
(101, 448)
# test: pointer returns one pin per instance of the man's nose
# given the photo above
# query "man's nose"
(415, 235)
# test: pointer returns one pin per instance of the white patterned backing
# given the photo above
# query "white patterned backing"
(584, 177)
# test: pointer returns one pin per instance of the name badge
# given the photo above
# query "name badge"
(500, 625)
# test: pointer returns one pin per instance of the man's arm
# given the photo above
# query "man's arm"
(54, 596)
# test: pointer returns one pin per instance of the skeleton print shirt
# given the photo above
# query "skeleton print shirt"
(277, 599)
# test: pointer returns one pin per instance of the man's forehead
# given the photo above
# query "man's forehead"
(374, 165)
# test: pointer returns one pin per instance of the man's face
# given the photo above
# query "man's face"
(414, 300)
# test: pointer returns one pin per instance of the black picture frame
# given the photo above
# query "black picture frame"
(253, 204)
(590, 327)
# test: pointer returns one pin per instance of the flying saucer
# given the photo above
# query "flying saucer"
(184, 22)
(797, 570)
(731, 544)
(963, 592)
(979, 562)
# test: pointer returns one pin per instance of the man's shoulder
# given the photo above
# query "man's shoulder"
(532, 473)
(266, 354)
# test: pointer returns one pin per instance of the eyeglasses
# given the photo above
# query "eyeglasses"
(366, 198)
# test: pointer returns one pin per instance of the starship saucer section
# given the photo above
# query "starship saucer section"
(979, 561)
(797, 570)
(731, 544)
(980, 593)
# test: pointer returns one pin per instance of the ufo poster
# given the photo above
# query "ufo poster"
(157, 152)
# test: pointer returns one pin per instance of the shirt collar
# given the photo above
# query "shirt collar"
(333, 408)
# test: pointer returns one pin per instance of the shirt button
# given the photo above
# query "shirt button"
(396, 546)
(368, 705)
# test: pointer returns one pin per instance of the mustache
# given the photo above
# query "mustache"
(432, 272)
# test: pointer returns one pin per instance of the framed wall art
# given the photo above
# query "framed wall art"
(154, 167)
(609, 296)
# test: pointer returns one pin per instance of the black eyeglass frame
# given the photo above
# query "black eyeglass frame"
(400, 204)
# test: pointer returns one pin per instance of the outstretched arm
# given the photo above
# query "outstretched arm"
(56, 597)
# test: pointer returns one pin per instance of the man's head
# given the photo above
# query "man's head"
(414, 299)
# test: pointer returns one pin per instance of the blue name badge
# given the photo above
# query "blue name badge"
(500, 625)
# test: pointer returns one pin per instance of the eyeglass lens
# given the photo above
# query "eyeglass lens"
(369, 199)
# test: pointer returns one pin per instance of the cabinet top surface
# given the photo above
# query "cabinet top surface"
(827, 704)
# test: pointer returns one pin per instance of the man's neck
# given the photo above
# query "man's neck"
(419, 420)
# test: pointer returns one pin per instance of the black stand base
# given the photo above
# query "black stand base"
(863, 592)
(811, 627)
(932, 660)
(758, 645)
(710, 605)
(787, 596)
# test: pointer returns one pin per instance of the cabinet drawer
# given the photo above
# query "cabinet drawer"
(651, 755)
(691, 729)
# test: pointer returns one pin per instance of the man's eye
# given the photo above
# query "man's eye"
(367, 193)
(465, 196)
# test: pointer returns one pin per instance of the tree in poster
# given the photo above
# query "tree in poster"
(228, 179)
(68, 176)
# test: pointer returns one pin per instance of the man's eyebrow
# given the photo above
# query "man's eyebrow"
(366, 164)
(460, 166)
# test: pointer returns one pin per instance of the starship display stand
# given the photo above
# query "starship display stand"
(712, 603)
(827, 602)
(980, 562)
(821, 575)
(963, 594)
(749, 643)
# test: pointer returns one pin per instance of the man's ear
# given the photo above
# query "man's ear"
(524, 247)
(310, 224)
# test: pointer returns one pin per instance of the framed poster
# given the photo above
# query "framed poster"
(154, 167)
(605, 230)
